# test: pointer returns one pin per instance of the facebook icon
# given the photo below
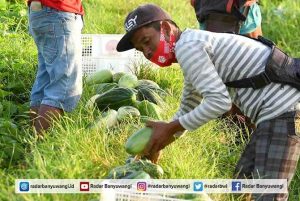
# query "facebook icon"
(236, 186)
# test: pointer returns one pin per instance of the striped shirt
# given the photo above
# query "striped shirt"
(208, 60)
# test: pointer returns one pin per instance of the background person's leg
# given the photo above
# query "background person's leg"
(46, 116)
(60, 40)
(42, 78)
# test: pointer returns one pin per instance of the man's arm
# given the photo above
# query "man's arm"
(195, 60)
(165, 133)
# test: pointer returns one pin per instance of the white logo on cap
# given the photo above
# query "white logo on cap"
(130, 23)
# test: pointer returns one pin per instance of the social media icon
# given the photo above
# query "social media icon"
(198, 186)
(84, 186)
(24, 186)
(141, 186)
(236, 186)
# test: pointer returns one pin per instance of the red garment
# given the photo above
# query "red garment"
(73, 6)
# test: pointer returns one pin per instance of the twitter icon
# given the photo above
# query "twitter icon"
(198, 186)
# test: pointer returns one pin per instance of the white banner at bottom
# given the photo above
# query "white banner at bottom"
(261, 186)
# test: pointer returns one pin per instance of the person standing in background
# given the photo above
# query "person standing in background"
(56, 29)
(248, 15)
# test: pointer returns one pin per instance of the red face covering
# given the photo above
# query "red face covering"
(164, 54)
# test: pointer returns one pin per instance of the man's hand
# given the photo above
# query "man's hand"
(155, 157)
(163, 135)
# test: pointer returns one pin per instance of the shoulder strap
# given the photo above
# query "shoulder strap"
(257, 81)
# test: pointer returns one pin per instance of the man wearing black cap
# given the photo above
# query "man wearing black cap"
(208, 60)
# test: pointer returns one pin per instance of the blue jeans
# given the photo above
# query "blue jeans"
(57, 35)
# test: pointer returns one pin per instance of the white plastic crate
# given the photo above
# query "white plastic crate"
(129, 195)
(112, 195)
(99, 52)
(121, 195)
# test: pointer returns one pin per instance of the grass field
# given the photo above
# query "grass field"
(70, 151)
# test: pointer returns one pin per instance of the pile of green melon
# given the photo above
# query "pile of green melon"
(121, 96)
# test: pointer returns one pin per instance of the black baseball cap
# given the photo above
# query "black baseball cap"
(139, 17)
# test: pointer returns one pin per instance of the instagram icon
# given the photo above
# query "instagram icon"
(141, 186)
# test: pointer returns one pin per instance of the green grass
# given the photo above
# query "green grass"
(70, 151)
